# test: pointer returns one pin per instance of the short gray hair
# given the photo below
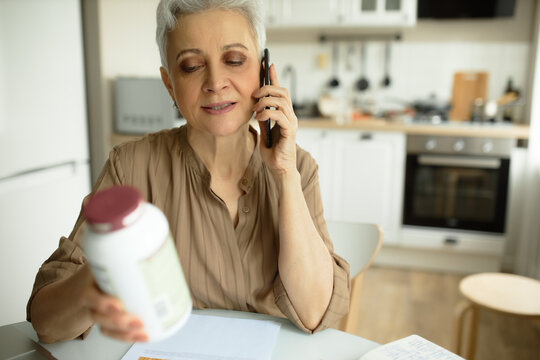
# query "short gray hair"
(168, 11)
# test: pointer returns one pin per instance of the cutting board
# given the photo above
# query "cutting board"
(467, 87)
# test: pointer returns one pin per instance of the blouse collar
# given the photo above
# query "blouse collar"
(195, 163)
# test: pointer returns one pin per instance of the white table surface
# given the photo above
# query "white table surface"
(291, 343)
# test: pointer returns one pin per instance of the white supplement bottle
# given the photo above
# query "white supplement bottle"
(132, 257)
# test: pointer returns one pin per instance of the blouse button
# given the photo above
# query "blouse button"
(244, 181)
(245, 209)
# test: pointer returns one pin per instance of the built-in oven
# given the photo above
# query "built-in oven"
(457, 183)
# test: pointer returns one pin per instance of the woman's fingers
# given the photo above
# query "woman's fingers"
(271, 90)
(97, 301)
(286, 126)
(124, 336)
(109, 314)
(276, 103)
(273, 76)
(121, 321)
(122, 326)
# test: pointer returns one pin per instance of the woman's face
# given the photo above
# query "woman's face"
(213, 70)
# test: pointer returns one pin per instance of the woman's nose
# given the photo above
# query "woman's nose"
(216, 80)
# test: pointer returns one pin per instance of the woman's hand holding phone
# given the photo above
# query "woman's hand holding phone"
(275, 104)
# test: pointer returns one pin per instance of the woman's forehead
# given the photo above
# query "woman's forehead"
(212, 28)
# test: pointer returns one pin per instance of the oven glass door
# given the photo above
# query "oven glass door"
(457, 192)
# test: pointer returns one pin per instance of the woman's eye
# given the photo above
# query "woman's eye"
(235, 59)
(189, 69)
(235, 62)
(190, 65)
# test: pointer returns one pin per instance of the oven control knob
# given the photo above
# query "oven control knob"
(431, 144)
(487, 147)
(459, 145)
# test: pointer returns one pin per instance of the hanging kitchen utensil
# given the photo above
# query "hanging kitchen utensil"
(363, 83)
(349, 58)
(334, 82)
(386, 81)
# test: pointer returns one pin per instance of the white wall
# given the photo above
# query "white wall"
(122, 45)
(128, 44)
(3, 88)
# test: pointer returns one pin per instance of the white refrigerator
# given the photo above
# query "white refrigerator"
(44, 156)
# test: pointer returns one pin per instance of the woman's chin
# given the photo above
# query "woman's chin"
(223, 128)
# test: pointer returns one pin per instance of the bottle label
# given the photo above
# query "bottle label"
(167, 287)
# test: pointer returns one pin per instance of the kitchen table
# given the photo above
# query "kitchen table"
(291, 343)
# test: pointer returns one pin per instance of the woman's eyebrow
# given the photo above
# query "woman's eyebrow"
(199, 52)
(194, 51)
(229, 46)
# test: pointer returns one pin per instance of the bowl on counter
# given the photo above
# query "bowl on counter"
(306, 110)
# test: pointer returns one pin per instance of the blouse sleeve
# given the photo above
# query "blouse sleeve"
(68, 258)
(339, 301)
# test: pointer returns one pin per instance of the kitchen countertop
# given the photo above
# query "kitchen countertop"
(512, 131)
(451, 128)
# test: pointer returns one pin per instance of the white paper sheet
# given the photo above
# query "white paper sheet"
(212, 338)
(412, 347)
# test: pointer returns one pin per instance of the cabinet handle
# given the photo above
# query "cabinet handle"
(365, 136)
(451, 241)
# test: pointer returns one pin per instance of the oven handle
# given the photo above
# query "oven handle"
(459, 161)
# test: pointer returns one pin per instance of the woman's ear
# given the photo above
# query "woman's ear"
(167, 82)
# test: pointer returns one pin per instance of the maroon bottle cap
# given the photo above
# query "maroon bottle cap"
(113, 208)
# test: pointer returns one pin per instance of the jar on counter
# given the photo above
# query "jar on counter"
(132, 256)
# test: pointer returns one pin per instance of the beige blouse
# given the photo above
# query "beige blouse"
(226, 267)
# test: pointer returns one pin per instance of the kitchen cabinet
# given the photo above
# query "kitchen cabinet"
(369, 187)
(339, 13)
(361, 175)
(381, 13)
(295, 13)
(320, 144)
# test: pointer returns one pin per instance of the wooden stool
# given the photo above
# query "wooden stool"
(507, 294)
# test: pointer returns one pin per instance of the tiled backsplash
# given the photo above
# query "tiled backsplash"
(417, 69)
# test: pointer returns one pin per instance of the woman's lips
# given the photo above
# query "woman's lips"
(219, 108)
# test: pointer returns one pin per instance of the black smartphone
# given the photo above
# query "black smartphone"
(265, 80)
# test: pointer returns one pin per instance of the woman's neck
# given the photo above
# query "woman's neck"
(225, 157)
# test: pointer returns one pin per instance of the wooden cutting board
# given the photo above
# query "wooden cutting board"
(467, 87)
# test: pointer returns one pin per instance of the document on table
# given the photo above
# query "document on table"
(206, 337)
(413, 347)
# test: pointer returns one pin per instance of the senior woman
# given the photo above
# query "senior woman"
(247, 220)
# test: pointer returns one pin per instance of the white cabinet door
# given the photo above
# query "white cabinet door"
(368, 185)
(361, 175)
(272, 11)
(339, 13)
(309, 12)
(379, 13)
(319, 143)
